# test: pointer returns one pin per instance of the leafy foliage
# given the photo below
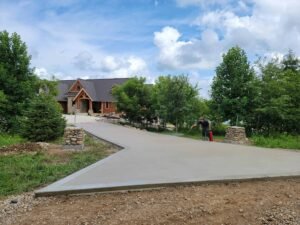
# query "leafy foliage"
(233, 88)
(3, 121)
(279, 100)
(172, 99)
(134, 99)
(43, 120)
(176, 100)
(17, 81)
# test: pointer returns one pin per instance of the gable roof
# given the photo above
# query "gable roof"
(98, 89)
(79, 92)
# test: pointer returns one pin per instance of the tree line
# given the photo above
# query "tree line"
(265, 100)
(172, 99)
(263, 97)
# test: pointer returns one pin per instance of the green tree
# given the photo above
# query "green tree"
(17, 81)
(175, 99)
(48, 87)
(291, 62)
(43, 120)
(3, 103)
(134, 100)
(279, 100)
(233, 89)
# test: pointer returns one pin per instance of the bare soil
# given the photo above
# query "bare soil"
(242, 203)
(20, 148)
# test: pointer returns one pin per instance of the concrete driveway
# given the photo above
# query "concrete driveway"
(151, 160)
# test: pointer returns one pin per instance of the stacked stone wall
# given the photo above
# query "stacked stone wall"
(236, 135)
(74, 138)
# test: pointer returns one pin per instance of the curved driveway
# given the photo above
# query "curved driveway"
(150, 159)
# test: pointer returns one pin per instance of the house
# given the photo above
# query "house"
(88, 96)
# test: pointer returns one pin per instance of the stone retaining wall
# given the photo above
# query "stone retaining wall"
(74, 138)
(236, 135)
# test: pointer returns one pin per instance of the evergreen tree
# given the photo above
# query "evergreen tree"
(17, 81)
(43, 120)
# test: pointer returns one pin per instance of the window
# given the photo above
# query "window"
(107, 105)
(78, 88)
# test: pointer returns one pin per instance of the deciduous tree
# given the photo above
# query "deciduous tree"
(134, 100)
(233, 89)
(175, 99)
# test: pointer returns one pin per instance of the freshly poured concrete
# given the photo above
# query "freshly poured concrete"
(151, 160)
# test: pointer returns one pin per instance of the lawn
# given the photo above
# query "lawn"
(190, 134)
(6, 139)
(27, 171)
(278, 141)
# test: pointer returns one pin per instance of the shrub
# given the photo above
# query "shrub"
(43, 120)
(219, 129)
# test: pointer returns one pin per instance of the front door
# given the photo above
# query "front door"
(84, 106)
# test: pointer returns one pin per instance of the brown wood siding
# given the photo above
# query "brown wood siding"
(110, 109)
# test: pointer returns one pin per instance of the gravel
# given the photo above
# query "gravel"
(275, 202)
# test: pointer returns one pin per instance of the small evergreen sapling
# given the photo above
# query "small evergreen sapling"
(43, 120)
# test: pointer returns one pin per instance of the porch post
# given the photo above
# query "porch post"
(102, 107)
(77, 103)
(90, 105)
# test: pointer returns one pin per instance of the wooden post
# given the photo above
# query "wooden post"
(102, 107)
(90, 105)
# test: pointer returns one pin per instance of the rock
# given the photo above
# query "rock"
(14, 201)
(74, 137)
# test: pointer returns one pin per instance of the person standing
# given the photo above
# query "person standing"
(204, 127)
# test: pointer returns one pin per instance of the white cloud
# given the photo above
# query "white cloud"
(272, 26)
(68, 44)
(125, 67)
(42, 73)
(187, 55)
(183, 3)
(266, 28)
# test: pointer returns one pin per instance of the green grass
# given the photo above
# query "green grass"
(190, 134)
(25, 172)
(6, 139)
(279, 141)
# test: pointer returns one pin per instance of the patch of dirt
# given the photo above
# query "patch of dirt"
(275, 202)
(21, 148)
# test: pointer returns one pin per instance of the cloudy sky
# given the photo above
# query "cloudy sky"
(121, 38)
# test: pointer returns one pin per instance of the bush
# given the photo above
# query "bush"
(219, 129)
(43, 121)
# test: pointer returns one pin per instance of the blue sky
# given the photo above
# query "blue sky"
(122, 38)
